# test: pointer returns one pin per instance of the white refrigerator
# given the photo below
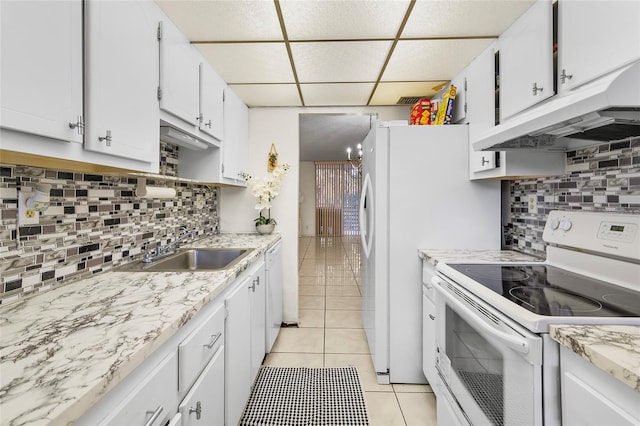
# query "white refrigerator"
(416, 194)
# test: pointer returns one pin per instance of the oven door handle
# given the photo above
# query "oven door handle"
(467, 314)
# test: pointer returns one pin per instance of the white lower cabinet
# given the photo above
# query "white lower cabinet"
(151, 401)
(237, 351)
(258, 321)
(590, 396)
(244, 345)
(204, 404)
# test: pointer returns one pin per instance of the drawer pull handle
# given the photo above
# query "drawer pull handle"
(197, 410)
(215, 338)
(431, 316)
(154, 416)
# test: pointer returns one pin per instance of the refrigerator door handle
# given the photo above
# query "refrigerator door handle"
(366, 223)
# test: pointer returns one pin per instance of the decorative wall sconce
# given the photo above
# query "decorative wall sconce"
(30, 204)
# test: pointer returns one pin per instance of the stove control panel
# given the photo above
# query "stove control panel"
(607, 233)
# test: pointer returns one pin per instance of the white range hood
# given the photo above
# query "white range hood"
(604, 110)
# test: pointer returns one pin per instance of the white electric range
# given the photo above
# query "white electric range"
(495, 361)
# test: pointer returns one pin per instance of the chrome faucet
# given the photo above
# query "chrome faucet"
(160, 252)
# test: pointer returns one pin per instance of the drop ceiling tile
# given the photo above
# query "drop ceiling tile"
(249, 62)
(463, 17)
(258, 95)
(224, 20)
(339, 61)
(390, 93)
(422, 60)
(339, 20)
(336, 94)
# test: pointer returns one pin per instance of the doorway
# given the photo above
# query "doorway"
(329, 180)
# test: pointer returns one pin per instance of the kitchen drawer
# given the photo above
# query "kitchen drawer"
(204, 404)
(151, 399)
(199, 346)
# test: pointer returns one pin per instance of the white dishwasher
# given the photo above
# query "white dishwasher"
(274, 294)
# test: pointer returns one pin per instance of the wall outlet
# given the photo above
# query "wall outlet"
(199, 201)
(26, 216)
(533, 203)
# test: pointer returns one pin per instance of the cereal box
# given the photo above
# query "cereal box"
(421, 112)
(445, 110)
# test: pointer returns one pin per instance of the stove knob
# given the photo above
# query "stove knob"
(565, 224)
(553, 223)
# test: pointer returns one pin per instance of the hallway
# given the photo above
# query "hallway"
(330, 332)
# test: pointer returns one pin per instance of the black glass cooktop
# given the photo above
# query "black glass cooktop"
(547, 290)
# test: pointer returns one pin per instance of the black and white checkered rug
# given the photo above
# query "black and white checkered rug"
(305, 396)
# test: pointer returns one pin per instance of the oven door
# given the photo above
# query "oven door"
(491, 366)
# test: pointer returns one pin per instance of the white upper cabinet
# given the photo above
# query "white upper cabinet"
(42, 68)
(483, 93)
(121, 69)
(526, 60)
(235, 150)
(211, 102)
(179, 91)
(594, 38)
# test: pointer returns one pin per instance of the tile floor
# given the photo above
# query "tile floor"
(330, 332)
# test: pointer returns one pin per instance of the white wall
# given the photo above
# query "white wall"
(280, 126)
(308, 194)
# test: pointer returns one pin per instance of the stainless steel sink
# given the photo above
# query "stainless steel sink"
(187, 260)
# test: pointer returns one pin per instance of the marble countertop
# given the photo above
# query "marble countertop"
(434, 256)
(612, 348)
(61, 350)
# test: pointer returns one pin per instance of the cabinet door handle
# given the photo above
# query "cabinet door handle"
(536, 89)
(257, 280)
(106, 139)
(432, 317)
(564, 76)
(197, 410)
(214, 339)
(154, 416)
(208, 124)
(252, 287)
(484, 161)
(79, 124)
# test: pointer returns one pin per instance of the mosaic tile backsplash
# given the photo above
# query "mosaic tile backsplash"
(95, 222)
(605, 177)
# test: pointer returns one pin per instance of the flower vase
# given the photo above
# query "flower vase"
(265, 229)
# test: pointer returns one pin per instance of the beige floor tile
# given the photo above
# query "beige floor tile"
(307, 271)
(343, 290)
(343, 319)
(344, 302)
(312, 280)
(351, 341)
(311, 290)
(309, 340)
(311, 302)
(418, 409)
(344, 282)
(311, 318)
(363, 363)
(383, 409)
(409, 388)
(285, 359)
